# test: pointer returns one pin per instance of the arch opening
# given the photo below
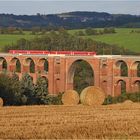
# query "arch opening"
(17, 64)
(120, 87)
(3, 63)
(43, 65)
(80, 75)
(136, 86)
(31, 65)
(138, 70)
(135, 69)
(122, 68)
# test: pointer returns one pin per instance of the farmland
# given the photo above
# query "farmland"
(122, 38)
(9, 39)
(38, 122)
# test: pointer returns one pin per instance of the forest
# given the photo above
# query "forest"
(70, 20)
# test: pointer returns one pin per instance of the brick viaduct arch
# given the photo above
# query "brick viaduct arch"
(72, 67)
(59, 70)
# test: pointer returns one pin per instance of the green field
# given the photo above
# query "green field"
(9, 39)
(123, 38)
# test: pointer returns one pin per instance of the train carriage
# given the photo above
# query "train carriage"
(41, 52)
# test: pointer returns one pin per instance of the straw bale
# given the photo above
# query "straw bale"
(1, 102)
(128, 102)
(70, 97)
(92, 96)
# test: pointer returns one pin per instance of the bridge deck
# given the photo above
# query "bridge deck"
(83, 56)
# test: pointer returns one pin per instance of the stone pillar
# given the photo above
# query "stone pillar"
(51, 75)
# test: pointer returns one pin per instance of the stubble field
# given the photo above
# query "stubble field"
(46, 122)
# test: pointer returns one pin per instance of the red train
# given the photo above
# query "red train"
(40, 52)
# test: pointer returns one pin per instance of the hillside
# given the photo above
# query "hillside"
(70, 20)
(124, 37)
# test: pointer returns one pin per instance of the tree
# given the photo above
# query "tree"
(35, 30)
(90, 31)
(41, 90)
(80, 33)
(109, 30)
(22, 43)
(20, 31)
(27, 89)
(10, 89)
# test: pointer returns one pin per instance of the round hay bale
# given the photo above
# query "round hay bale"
(1, 102)
(127, 102)
(92, 96)
(70, 97)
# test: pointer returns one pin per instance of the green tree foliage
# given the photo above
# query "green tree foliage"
(108, 100)
(91, 31)
(10, 89)
(109, 30)
(11, 30)
(135, 97)
(41, 90)
(83, 76)
(27, 89)
(80, 33)
(124, 69)
(35, 30)
(62, 40)
(24, 92)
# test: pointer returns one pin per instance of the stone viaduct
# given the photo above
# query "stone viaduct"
(60, 70)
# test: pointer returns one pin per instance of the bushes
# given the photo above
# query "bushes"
(108, 100)
(25, 92)
(53, 100)
(92, 31)
(135, 97)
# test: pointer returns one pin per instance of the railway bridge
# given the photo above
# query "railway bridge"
(59, 70)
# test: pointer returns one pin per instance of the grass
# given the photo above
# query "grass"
(72, 122)
(9, 39)
(122, 38)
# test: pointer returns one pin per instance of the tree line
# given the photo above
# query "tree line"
(62, 40)
(134, 97)
(70, 20)
(92, 31)
(11, 31)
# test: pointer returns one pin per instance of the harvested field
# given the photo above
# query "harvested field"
(38, 122)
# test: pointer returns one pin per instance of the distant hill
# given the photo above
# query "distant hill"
(70, 20)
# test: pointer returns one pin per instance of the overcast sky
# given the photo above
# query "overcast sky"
(59, 6)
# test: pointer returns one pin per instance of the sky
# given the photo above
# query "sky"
(33, 7)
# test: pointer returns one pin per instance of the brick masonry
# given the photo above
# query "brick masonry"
(61, 69)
